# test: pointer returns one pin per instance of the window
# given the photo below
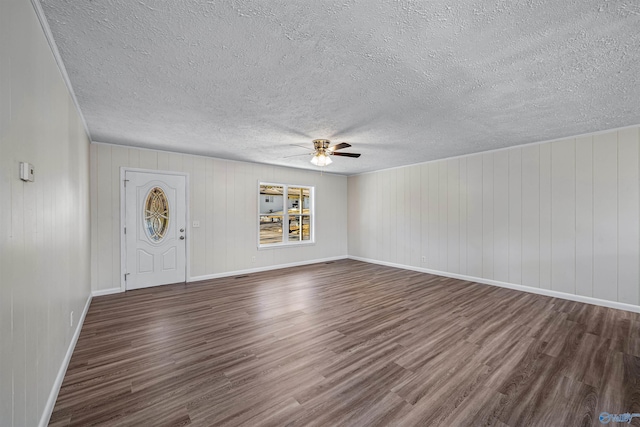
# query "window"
(156, 214)
(285, 215)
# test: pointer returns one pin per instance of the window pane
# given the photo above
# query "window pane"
(270, 229)
(294, 203)
(294, 228)
(306, 227)
(306, 200)
(271, 200)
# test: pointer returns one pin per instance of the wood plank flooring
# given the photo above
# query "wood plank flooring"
(348, 344)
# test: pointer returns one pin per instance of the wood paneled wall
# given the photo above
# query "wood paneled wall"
(223, 197)
(560, 215)
(44, 225)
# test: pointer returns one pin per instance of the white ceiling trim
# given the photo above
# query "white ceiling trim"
(480, 153)
(401, 81)
(56, 55)
(322, 171)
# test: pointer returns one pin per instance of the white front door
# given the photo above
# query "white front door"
(155, 224)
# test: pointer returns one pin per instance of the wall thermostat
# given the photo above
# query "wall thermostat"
(26, 171)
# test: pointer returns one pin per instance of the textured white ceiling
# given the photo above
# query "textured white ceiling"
(402, 81)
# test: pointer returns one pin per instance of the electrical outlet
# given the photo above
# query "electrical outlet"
(424, 259)
(253, 259)
(71, 319)
(196, 224)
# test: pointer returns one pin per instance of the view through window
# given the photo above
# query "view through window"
(285, 215)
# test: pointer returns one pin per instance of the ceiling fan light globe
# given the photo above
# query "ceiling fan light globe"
(321, 160)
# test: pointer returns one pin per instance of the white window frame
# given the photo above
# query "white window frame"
(285, 216)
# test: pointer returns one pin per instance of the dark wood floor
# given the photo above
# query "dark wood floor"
(351, 344)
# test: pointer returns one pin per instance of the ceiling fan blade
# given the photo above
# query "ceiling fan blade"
(301, 146)
(296, 155)
(346, 154)
(339, 146)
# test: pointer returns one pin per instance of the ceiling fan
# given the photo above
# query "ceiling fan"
(322, 151)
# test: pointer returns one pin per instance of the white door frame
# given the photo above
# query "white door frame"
(123, 249)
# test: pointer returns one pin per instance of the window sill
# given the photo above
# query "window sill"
(284, 245)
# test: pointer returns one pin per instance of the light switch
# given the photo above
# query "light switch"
(196, 224)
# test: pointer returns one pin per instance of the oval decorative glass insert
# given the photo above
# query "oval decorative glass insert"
(156, 214)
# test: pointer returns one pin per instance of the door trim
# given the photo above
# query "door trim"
(123, 249)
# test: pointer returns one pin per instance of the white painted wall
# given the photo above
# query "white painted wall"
(561, 215)
(223, 197)
(44, 225)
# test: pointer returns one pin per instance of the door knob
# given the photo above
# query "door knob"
(181, 237)
(182, 230)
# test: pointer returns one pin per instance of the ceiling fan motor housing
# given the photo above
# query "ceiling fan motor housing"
(321, 144)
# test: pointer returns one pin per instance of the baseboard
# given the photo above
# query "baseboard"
(539, 291)
(53, 395)
(260, 269)
(109, 291)
(118, 290)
